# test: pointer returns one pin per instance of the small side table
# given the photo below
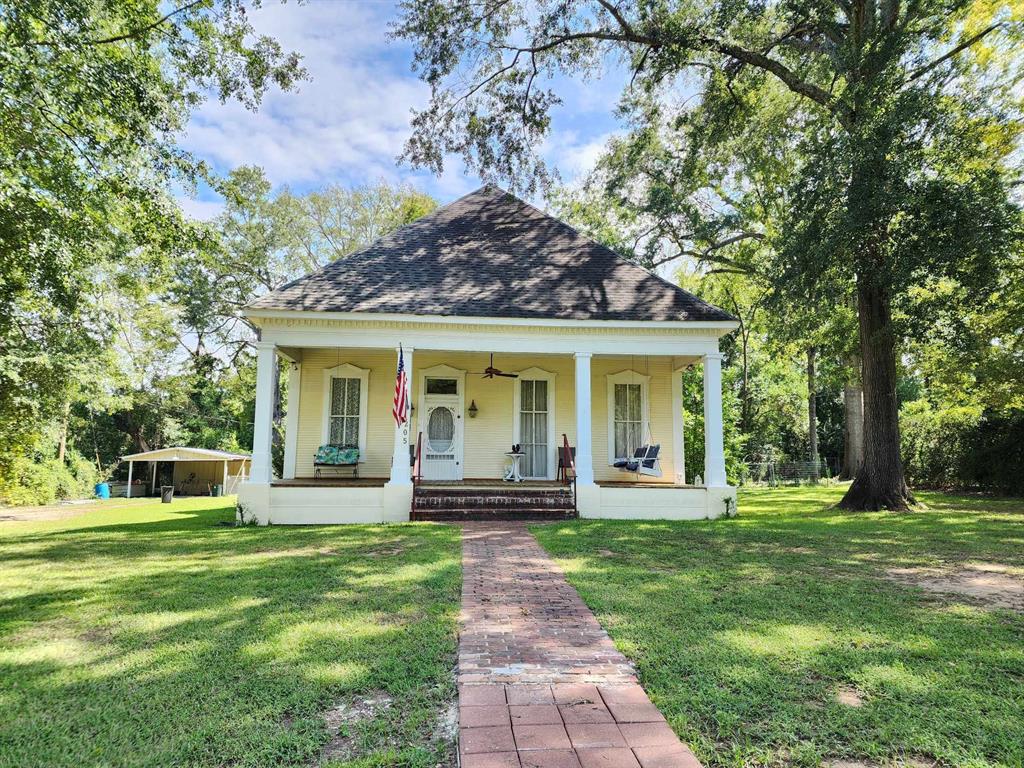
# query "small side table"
(513, 475)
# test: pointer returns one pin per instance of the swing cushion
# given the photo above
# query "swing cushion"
(645, 455)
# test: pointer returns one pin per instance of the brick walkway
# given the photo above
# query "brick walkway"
(540, 683)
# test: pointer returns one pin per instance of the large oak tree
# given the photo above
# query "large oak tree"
(905, 113)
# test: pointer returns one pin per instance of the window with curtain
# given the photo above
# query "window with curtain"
(533, 427)
(344, 416)
(628, 419)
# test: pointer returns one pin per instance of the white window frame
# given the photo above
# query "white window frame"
(346, 371)
(627, 377)
(537, 374)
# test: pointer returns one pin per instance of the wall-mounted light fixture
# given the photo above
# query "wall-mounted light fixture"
(472, 409)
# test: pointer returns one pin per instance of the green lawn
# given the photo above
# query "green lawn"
(746, 631)
(154, 635)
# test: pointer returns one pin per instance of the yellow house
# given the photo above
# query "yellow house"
(513, 330)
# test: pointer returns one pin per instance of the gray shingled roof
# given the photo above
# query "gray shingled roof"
(489, 254)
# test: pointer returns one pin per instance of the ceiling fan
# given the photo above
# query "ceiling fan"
(490, 371)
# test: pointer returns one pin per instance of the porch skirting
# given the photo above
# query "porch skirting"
(303, 505)
(275, 505)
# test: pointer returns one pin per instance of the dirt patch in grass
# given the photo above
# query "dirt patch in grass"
(48, 512)
(989, 585)
(349, 713)
(849, 696)
(386, 551)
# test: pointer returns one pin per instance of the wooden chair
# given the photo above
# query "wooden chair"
(565, 463)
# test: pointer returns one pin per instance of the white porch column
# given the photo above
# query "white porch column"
(584, 441)
(291, 424)
(128, 493)
(152, 480)
(678, 426)
(261, 434)
(401, 474)
(714, 443)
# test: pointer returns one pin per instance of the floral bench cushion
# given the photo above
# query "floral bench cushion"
(336, 455)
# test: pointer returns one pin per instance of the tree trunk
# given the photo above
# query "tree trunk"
(812, 411)
(745, 414)
(879, 483)
(62, 443)
(853, 424)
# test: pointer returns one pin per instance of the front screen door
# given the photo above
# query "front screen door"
(533, 427)
(442, 431)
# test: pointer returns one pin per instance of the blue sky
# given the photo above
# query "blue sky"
(348, 123)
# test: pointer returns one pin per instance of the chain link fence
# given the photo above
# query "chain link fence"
(775, 473)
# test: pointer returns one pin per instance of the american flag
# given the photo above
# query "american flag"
(400, 410)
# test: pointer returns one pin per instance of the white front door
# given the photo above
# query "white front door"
(442, 430)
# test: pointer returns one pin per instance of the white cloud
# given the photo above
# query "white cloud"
(204, 210)
(349, 122)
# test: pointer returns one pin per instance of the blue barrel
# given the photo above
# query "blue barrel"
(102, 491)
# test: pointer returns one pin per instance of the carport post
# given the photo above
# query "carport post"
(224, 488)
(128, 493)
(152, 482)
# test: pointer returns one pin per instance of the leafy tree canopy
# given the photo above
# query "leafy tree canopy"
(903, 118)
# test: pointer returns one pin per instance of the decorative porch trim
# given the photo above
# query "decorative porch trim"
(378, 318)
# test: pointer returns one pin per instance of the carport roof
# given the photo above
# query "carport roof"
(185, 454)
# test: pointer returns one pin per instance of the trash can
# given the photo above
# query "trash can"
(217, 490)
(166, 494)
(102, 491)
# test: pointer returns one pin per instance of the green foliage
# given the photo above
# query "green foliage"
(747, 632)
(693, 425)
(92, 100)
(963, 447)
(221, 645)
(837, 150)
(935, 443)
(27, 480)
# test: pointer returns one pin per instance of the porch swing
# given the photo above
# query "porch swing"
(645, 460)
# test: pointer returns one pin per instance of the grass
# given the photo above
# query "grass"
(154, 635)
(744, 631)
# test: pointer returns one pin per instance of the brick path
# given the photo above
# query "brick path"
(540, 683)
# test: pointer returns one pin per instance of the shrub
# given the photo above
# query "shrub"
(962, 447)
(932, 443)
(24, 481)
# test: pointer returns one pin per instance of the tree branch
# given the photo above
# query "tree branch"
(792, 81)
(963, 46)
(131, 33)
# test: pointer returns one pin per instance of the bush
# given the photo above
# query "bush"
(932, 443)
(994, 457)
(962, 447)
(24, 481)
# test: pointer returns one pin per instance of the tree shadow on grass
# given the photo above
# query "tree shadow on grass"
(743, 634)
(166, 644)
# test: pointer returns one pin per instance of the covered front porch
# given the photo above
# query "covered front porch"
(605, 403)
